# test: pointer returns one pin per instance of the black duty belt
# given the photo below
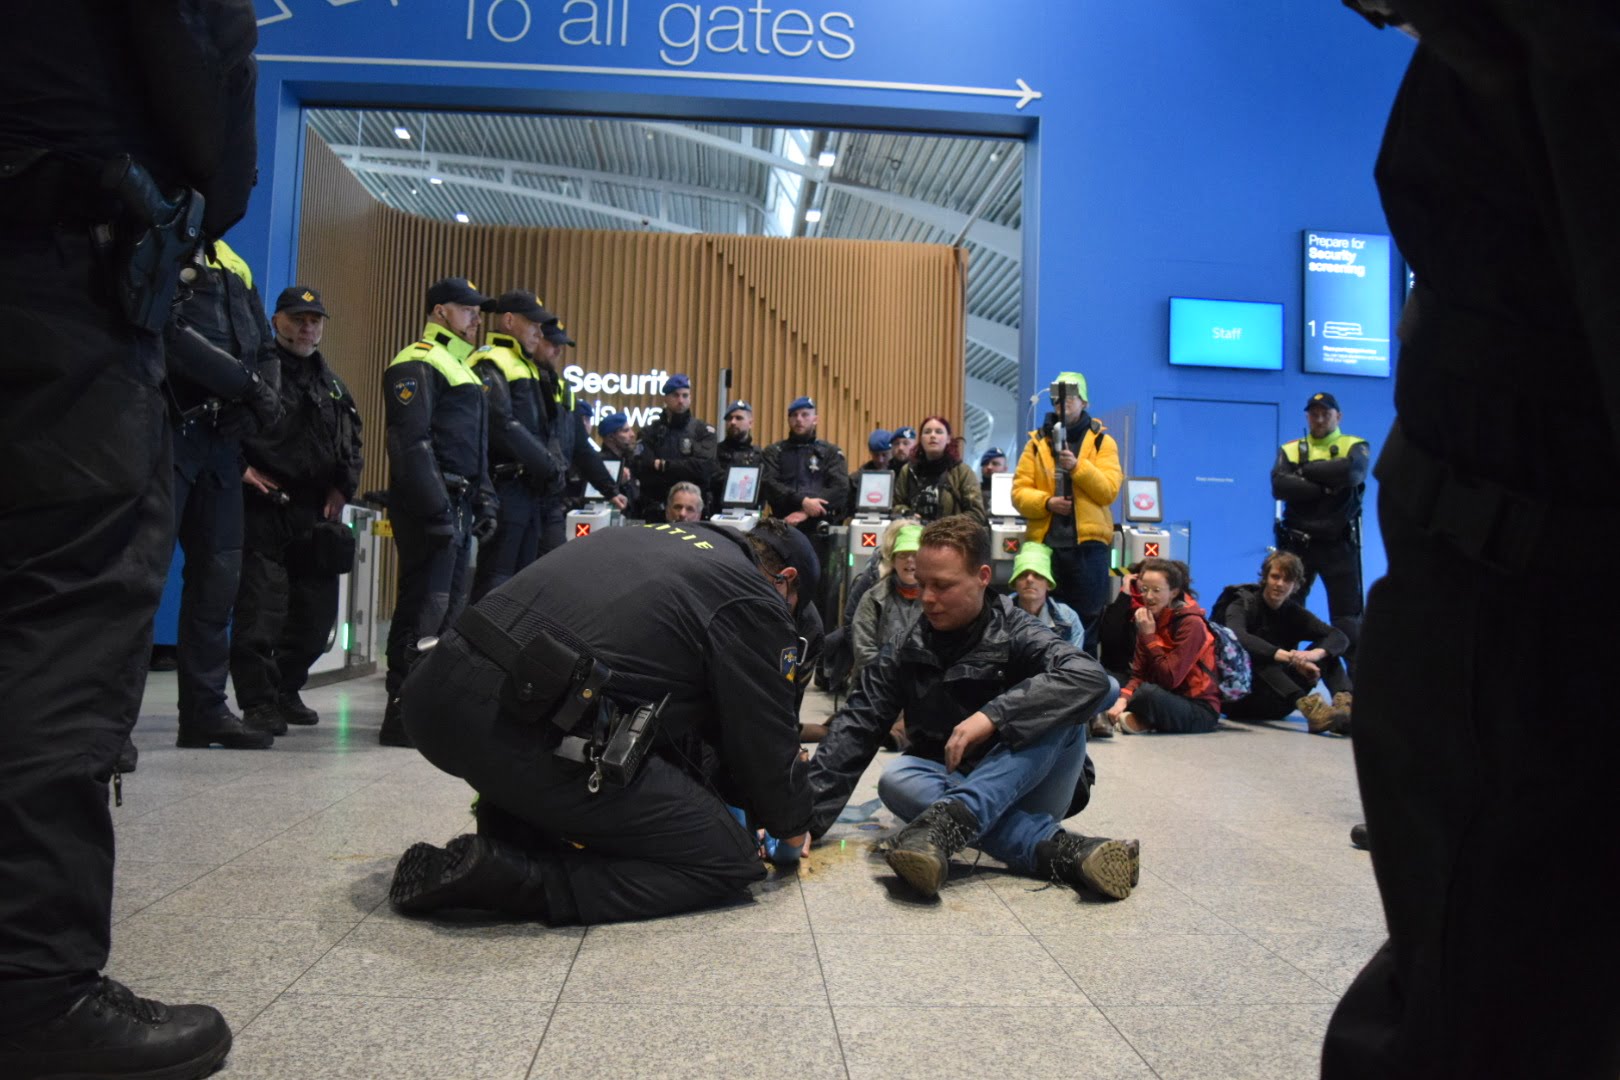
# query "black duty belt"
(1492, 525)
(536, 671)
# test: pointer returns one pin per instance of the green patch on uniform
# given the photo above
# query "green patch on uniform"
(405, 391)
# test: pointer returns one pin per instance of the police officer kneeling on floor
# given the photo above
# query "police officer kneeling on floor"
(996, 707)
(607, 704)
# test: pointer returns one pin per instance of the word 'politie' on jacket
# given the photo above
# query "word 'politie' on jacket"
(437, 421)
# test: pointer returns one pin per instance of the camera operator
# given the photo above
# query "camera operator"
(297, 480)
(439, 491)
(696, 617)
(88, 526)
(806, 484)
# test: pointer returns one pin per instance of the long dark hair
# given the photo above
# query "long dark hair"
(953, 445)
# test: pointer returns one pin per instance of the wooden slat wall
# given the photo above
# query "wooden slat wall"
(874, 331)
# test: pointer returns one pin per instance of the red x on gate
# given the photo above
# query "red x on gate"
(868, 540)
(1150, 550)
(1010, 546)
(582, 528)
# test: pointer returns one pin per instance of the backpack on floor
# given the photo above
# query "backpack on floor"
(1233, 676)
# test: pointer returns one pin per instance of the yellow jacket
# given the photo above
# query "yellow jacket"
(1096, 475)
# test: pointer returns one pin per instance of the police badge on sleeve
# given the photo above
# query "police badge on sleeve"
(405, 391)
(789, 662)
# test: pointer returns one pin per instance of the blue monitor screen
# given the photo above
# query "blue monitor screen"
(1226, 334)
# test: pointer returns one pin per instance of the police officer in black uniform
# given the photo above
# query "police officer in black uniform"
(737, 448)
(807, 485)
(88, 525)
(697, 617)
(1320, 480)
(564, 430)
(297, 479)
(519, 458)
(675, 447)
(222, 305)
(439, 495)
(618, 441)
(1488, 785)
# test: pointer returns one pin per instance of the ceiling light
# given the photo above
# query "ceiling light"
(995, 156)
(812, 216)
(403, 133)
(827, 159)
(435, 180)
(463, 218)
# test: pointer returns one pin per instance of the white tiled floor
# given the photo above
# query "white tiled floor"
(255, 880)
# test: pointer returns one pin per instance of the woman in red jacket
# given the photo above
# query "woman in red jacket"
(1172, 686)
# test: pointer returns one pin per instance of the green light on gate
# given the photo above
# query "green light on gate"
(345, 637)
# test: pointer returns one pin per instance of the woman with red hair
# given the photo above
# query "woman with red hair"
(937, 483)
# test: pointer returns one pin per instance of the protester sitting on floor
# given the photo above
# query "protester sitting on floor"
(1172, 686)
(996, 707)
(1032, 582)
(1116, 630)
(1270, 623)
(888, 608)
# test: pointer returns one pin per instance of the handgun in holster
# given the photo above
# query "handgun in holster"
(456, 486)
(554, 676)
(152, 244)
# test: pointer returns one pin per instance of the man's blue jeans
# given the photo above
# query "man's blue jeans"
(1018, 796)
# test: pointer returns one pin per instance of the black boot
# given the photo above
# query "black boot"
(1090, 864)
(226, 729)
(469, 872)
(128, 756)
(110, 1032)
(1358, 837)
(265, 718)
(921, 852)
(393, 731)
(294, 711)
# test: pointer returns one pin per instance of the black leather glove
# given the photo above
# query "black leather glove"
(236, 421)
(264, 403)
(484, 527)
(440, 533)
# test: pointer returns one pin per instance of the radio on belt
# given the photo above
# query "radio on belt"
(739, 502)
(597, 513)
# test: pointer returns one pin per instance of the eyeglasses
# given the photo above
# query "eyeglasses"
(1153, 590)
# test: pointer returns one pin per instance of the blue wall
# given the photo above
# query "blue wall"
(1178, 147)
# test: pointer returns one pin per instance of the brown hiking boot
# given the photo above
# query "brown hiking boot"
(1341, 712)
(1318, 714)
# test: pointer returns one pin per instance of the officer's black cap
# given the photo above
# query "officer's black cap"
(520, 302)
(1324, 400)
(794, 549)
(298, 299)
(454, 290)
(557, 333)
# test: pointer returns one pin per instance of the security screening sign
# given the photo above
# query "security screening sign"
(1347, 303)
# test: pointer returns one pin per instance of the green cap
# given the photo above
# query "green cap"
(1074, 378)
(909, 538)
(1036, 557)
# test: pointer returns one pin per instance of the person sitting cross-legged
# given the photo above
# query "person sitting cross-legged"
(1270, 623)
(996, 709)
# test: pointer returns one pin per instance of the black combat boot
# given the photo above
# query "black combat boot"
(110, 1032)
(393, 731)
(225, 729)
(1090, 864)
(469, 872)
(295, 711)
(265, 718)
(921, 852)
